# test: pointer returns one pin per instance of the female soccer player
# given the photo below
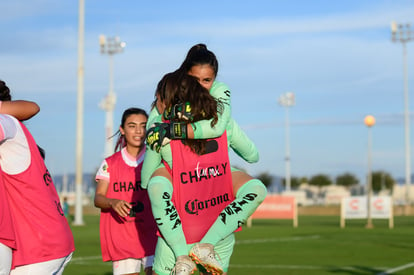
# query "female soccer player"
(22, 110)
(202, 64)
(127, 227)
(44, 241)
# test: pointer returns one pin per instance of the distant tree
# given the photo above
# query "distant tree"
(381, 180)
(266, 178)
(294, 182)
(303, 180)
(320, 180)
(346, 179)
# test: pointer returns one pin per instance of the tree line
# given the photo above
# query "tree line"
(380, 180)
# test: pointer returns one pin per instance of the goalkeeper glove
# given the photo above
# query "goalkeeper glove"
(161, 134)
(179, 111)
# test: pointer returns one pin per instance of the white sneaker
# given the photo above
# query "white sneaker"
(204, 254)
(183, 266)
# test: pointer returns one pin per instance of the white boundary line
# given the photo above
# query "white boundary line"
(301, 267)
(80, 260)
(398, 268)
(278, 239)
(87, 258)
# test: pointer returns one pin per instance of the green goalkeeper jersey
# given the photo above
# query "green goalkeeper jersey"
(237, 139)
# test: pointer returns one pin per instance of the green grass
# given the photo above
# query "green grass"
(317, 246)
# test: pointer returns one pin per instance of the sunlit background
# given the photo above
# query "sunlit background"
(337, 57)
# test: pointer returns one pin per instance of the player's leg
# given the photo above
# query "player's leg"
(224, 248)
(164, 258)
(5, 259)
(160, 192)
(147, 263)
(168, 221)
(250, 193)
(165, 262)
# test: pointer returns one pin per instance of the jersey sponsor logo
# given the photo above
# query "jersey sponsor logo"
(194, 206)
(236, 206)
(47, 178)
(170, 212)
(153, 137)
(127, 186)
(200, 173)
(59, 208)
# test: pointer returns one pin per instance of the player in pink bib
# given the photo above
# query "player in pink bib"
(127, 227)
(199, 183)
(203, 66)
(22, 110)
(44, 241)
(7, 236)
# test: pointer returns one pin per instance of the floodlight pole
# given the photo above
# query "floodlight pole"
(402, 33)
(110, 46)
(287, 100)
(369, 122)
(78, 219)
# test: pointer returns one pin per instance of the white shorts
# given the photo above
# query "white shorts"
(5, 259)
(54, 267)
(131, 265)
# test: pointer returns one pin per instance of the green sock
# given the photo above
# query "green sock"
(248, 198)
(166, 216)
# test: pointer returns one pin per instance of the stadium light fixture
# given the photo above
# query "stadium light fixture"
(402, 33)
(110, 46)
(287, 100)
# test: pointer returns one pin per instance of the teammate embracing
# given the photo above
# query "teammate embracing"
(229, 219)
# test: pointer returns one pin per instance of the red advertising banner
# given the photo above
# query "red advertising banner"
(277, 207)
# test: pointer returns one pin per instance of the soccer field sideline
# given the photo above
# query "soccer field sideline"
(319, 246)
(81, 260)
(387, 270)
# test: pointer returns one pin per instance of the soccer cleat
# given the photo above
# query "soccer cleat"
(183, 266)
(204, 254)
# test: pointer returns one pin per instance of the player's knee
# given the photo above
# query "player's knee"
(256, 187)
(259, 188)
(157, 186)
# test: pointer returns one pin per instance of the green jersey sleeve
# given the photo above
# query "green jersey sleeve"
(241, 144)
(152, 159)
(154, 116)
(202, 129)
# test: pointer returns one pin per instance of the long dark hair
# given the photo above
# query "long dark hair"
(178, 87)
(200, 55)
(121, 142)
(4, 91)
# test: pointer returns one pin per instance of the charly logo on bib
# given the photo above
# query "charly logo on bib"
(199, 173)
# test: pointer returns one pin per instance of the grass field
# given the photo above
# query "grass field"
(317, 246)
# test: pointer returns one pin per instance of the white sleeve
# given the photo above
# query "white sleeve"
(8, 127)
(102, 173)
(15, 155)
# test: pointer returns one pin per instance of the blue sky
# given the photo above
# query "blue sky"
(336, 56)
